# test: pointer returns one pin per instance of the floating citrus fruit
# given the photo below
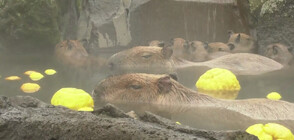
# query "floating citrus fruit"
(50, 71)
(36, 76)
(270, 131)
(274, 96)
(219, 83)
(29, 72)
(12, 78)
(73, 98)
(30, 87)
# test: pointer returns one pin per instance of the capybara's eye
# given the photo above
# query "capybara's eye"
(146, 56)
(135, 86)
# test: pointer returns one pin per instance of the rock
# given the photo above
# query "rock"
(271, 6)
(18, 121)
(275, 23)
(24, 24)
(112, 111)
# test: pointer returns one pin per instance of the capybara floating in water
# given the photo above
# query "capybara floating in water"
(242, 43)
(157, 60)
(279, 53)
(71, 53)
(163, 91)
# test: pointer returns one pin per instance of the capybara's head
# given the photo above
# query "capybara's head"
(197, 51)
(142, 88)
(143, 59)
(242, 43)
(279, 53)
(180, 47)
(219, 47)
(71, 52)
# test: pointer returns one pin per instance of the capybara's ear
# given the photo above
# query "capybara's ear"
(174, 76)
(231, 46)
(275, 49)
(205, 45)
(230, 32)
(167, 52)
(238, 39)
(164, 84)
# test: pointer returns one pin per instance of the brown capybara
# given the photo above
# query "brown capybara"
(197, 51)
(279, 53)
(180, 47)
(161, 90)
(157, 60)
(71, 53)
(144, 59)
(242, 43)
(156, 43)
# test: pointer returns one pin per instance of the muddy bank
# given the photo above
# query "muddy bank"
(24, 117)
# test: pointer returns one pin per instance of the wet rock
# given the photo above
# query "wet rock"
(275, 23)
(18, 121)
(112, 111)
(27, 101)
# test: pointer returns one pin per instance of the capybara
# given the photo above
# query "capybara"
(279, 53)
(157, 60)
(71, 53)
(242, 43)
(180, 47)
(161, 90)
(145, 59)
(197, 51)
